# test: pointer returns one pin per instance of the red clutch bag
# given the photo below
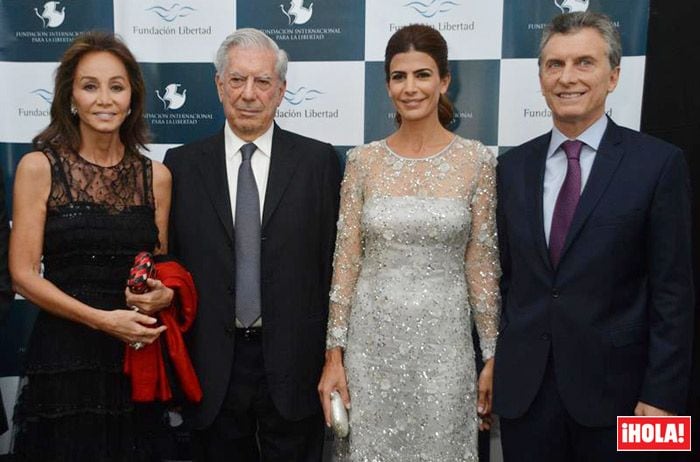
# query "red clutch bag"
(144, 267)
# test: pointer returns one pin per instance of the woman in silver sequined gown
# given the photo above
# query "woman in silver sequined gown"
(416, 262)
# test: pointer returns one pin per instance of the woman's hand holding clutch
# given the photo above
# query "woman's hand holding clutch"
(155, 299)
(333, 379)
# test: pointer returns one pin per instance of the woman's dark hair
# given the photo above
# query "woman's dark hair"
(419, 37)
(63, 129)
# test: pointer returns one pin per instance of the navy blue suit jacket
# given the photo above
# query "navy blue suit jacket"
(617, 311)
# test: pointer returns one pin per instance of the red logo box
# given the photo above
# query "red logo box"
(653, 433)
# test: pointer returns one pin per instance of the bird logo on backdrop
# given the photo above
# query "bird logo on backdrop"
(431, 8)
(51, 16)
(171, 14)
(172, 100)
(44, 94)
(572, 6)
(297, 13)
(302, 94)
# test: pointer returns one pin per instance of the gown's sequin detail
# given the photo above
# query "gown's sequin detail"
(416, 260)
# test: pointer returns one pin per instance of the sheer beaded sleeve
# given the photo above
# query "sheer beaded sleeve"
(348, 252)
(482, 265)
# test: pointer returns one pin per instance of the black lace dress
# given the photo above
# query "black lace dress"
(75, 402)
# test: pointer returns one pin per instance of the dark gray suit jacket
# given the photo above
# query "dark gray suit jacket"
(298, 235)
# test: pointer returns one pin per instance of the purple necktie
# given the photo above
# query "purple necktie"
(566, 201)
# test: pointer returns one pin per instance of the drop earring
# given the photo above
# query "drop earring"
(73, 110)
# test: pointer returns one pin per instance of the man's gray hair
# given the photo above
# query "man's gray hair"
(569, 23)
(251, 38)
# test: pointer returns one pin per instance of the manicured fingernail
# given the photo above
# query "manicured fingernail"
(480, 409)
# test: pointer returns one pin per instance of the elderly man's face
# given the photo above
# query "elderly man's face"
(250, 91)
(575, 77)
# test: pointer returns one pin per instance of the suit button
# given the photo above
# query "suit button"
(555, 293)
(545, 336)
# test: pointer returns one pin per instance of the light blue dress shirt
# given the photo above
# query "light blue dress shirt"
(556, 165)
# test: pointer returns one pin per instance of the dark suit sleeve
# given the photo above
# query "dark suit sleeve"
(6, 294)
(329, 218)
(502, 242)
(172, 229)
(670, 289)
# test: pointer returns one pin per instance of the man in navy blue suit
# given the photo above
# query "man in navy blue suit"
(594, 228)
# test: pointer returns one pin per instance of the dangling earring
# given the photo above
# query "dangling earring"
(73, 110)
(128, 113)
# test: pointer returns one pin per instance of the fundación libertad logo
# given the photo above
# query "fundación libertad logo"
(297, 13)
(174, 112)
(51, 16)
(44, 94)
(428, 9)
(566, 6)
(40, 110)
(301, 95)
(572, 6)
(172, 100)
(171, 14)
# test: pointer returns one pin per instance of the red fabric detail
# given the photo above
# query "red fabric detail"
(146, 367)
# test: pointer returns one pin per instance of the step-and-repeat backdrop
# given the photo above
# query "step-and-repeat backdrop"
(335, 84)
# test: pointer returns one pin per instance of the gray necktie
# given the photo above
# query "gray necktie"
(247, 241)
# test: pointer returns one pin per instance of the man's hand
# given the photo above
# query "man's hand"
(644, 409)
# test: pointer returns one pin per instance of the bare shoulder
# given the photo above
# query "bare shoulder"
(34, 166)
(161, 175)
(34, 162)
(32, 178)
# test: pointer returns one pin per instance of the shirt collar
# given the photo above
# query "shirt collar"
(592, 136)
(232, 143)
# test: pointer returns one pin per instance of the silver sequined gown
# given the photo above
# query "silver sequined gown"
(416, 261)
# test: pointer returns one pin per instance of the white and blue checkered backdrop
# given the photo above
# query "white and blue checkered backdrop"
(335, 84)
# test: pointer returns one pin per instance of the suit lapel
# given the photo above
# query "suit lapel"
(606, 162)
(534, 189)
(283, 161)
(212, 169)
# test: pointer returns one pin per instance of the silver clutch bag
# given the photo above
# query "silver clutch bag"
(339, 416)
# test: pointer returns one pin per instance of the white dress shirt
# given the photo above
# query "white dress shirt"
(557, 164)
(260, 163)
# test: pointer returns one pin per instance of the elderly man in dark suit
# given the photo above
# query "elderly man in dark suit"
(594, 229)
(253, 219)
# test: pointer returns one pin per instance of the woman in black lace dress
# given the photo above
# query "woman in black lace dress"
(87, 201)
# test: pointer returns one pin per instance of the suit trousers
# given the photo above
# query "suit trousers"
(249, 428)
(548, 433)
